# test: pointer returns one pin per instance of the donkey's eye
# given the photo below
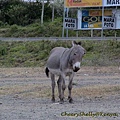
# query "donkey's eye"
(75, 53)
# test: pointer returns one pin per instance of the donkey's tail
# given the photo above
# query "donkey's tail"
(47, 71)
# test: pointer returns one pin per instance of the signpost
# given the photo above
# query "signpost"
(109, 22)
(88, 19)
(69, 23)
(83, 3)
(92, 19)
(111, 3)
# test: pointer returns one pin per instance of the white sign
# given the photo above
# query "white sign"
(109, 23)
(70, 23)
(116, 14)
(111, 2)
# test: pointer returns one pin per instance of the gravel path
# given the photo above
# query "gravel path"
(25, 94)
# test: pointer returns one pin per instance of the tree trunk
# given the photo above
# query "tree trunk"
(42, 13)
(53, 12)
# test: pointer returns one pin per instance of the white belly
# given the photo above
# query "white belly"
(58, 72)
(55, 71)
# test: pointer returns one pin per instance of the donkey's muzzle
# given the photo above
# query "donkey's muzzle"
(76, 66)
(76, 69)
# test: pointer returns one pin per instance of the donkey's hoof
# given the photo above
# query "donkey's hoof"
(70, 100)
(61, 101)
(53, 100)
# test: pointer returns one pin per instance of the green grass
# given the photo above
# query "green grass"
(35, 53)
(48, 29)
(33, 30)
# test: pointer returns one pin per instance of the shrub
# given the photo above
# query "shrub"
(1, 24)
(3, 50)
(13, 28)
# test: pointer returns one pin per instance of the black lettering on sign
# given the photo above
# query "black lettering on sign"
(70, 25)
(108, 25)
(112, 2)
(76, 0)
(109, 20)
(70, 20)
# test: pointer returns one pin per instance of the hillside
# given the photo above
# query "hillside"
(49, 29)
(35, 53)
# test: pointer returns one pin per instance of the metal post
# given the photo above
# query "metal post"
(115, 34)
(102, 20)
(76, 33)
(91, 32)
(115, 27)
(63, 22)
(67, 10)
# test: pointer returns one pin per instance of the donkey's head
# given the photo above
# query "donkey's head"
(76, 55)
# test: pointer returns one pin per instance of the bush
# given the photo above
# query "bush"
(3, 50)
(13, 28)
(1, 24)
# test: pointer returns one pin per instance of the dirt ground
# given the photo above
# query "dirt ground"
(25, 94)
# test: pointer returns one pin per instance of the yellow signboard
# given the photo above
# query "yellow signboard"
(93, 18)
(99, 12)
(83, 3)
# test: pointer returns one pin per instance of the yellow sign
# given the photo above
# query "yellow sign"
(99, 12)
(83, 3)
(93, 18)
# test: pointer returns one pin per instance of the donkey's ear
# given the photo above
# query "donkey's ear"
(79, 43)
(74, 43)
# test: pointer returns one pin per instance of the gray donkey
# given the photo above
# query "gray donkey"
(64, 62)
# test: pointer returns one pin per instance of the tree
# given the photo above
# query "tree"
(58, 5)
(16, 14)
(23, 13)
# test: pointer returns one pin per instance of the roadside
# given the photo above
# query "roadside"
(25, 94)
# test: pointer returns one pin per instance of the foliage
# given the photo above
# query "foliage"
(23, 13)
(48, 29)
(58, 5)
(1, 24)
(34, 30)
(22, 19)
(3, 49)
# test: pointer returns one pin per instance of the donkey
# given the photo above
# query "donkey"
(64, 62)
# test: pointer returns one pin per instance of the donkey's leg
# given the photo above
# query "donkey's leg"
(59, 82)
(63, 87)
(70, 88)
(53, 87)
